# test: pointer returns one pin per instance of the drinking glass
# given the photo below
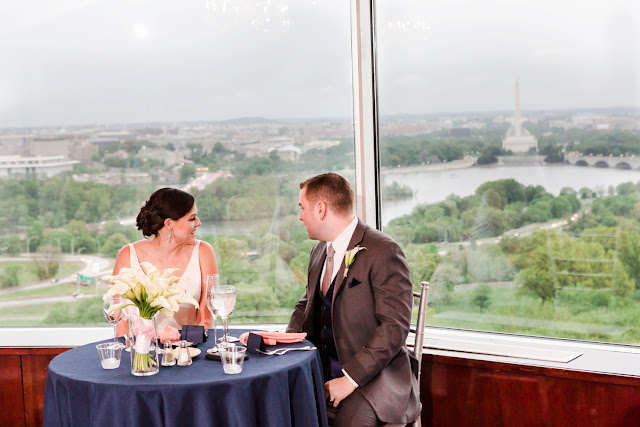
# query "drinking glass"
(232, 359)
(213, 280)
(113, 316)
(224, 300)
(110, 355)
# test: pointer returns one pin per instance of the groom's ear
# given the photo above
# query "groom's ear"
(321, 208)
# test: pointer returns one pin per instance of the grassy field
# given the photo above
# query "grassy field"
(26, 274)
(24, 315)
(57, 290)
(512, 311)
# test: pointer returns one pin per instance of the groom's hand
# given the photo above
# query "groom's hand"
(337, 390)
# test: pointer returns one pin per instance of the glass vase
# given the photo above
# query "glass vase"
(144, 348)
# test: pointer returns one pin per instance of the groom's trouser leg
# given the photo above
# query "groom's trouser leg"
(356, 411)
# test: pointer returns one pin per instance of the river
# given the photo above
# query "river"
(432, 185)
(435, 185)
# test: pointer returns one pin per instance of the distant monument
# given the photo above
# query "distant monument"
(517, 139)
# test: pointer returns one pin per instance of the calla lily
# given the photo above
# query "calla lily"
(350, 257)
(149, 290)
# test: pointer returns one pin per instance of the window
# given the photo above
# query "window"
(510, 134)
(237, 102)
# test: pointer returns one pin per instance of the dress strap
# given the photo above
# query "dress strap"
(133, 256)
(193, 268)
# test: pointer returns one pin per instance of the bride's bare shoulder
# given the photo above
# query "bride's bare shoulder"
(144, 243)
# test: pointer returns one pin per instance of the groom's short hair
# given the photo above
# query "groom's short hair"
(332, 189)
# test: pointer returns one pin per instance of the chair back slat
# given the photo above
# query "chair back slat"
(419, 331)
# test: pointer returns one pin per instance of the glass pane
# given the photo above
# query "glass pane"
(105, 102)
(510, 152)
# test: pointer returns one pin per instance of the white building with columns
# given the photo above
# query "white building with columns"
(41, 166)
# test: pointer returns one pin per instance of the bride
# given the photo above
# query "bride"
(169, 220)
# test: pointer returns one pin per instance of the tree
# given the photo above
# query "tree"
(537, 278)
(219, 148)
(482, 296)
(12, 244)
(629, 254)
(625, 188)
(10, 277)
(186, 173)
(443, 281)
(87, 311)
(46, 262)
(487, 159)
(113, 244)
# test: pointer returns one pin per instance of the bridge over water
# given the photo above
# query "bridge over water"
(621, 162)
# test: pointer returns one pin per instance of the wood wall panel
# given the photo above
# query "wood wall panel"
(34, 377)
(23, 374)
(455, 391)
(495, 394)
(11, 401)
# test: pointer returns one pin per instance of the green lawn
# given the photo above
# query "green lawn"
(25, 311)
(511, 311)
(26, 274)
(51, 291)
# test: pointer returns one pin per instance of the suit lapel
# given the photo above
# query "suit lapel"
(358, 234)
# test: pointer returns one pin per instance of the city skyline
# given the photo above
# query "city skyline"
(88, 62)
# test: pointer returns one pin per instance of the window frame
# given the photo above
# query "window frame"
(368, 208)
(367, 166)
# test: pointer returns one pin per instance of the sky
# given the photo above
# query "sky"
(75, 62)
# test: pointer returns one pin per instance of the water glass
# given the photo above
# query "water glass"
(110, 354)
(232, 359)
(213, 280)
(224, 302)
(113, 315)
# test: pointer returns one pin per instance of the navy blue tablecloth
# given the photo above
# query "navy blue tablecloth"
(270, 391)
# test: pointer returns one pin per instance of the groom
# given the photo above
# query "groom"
(357, 316)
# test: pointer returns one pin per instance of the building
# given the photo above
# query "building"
(17, 166)
(460, 132)
(53, 146)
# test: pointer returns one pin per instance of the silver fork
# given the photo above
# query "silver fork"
(281, 351)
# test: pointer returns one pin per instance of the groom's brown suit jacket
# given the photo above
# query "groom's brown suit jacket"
(370, 318)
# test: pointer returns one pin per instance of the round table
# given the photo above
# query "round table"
(270, 391)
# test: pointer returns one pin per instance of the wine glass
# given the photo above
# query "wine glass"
(224, 300)
(113, 314)
(213, 280)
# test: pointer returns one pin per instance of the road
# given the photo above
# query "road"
(517, 232)
(92, 266)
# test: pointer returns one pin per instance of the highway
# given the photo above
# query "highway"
(93, 266)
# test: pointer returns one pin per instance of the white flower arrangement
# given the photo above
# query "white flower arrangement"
(150, 292)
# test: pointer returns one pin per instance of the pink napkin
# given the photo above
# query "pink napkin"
(272, 338)
(170, 333)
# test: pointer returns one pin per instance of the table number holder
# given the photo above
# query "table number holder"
(255, 343)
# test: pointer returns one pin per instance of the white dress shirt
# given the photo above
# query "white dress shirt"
(340, 247)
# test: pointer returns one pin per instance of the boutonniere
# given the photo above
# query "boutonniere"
(350, 257)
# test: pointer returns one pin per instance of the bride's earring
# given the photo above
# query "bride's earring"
(169, 239)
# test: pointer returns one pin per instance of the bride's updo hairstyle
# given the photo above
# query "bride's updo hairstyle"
(164, 203)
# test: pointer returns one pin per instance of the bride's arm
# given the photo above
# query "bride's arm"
(122, 261)
(208, 265)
